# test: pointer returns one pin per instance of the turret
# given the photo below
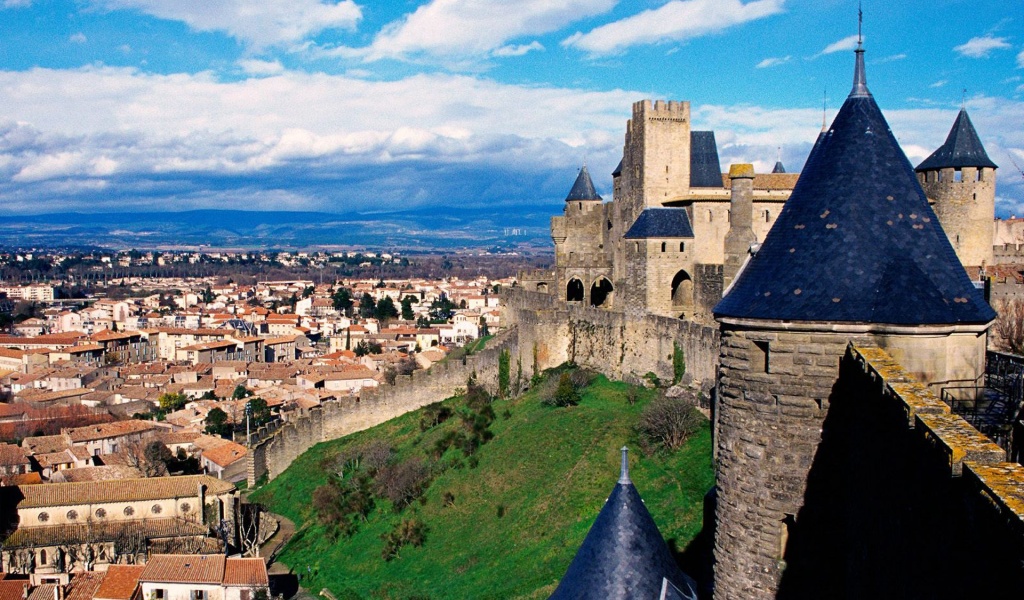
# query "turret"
(960, 180)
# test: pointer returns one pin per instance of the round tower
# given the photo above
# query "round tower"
(855, 256)
(960, 182)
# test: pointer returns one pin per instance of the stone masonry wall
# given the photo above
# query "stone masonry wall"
(855, 481)
(768, 428)
(964, 208)
(273, 454)
(622, 346)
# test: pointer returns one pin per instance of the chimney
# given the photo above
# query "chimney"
(24, 590)
(741, 233)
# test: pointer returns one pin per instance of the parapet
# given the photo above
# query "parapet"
(660, 109)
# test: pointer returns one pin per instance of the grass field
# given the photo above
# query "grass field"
(518, 516)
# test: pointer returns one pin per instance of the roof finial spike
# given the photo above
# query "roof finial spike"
(963, 100)
(860, 23)
(824, 109)
(624, 474)
(779, 156)
(860, 83)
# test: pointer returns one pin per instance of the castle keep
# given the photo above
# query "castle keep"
(660, 245)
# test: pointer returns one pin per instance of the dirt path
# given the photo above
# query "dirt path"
(273, 545)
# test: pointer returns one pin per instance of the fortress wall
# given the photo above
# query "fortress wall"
(903, 498)
(374, 406)
(622, 346)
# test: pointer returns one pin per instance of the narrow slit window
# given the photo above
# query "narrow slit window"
(761, 356)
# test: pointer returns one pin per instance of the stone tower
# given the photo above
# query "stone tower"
(583, 262)
(960, 179)
(856, 254)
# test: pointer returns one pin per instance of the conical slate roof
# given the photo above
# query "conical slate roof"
(778, 167)
(962, 148)
(857, 240)
(623, 556)
(583, 189)
(705, 169)
(618, 169)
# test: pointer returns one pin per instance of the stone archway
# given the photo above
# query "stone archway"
(601, 292)
(574, 290)
(542, 287)
(682, 293)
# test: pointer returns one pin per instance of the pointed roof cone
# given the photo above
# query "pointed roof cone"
(857, 240)
(963, 148)
(618, 169)
(583, 189)
(623, 556)
(778, 167)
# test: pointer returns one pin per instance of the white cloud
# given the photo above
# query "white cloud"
(518, 50)
(260, 23)
(676, 20)
(981, 47)
(891, 58)
(77, 38)
(844, 45)
(16, 3)
(473, 28)
(773, 62)
(939, 83)
(261, 67)
(1020, 60)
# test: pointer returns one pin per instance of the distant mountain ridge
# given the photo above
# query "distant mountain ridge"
(415, 229)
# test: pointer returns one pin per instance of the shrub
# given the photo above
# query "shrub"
(403, 482)
(666, 423)
(408, 532)
(504, 372)
(678, 363)
(433, 415)
(565, 394)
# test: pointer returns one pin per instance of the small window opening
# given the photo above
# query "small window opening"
(979, 175)
(711, 216)
(682, 246)
(663, 246)
(636, 246)
(581, 205)
(760, 357)
(728, 216)
(767, 217)
(666, 169)
(786, 526)
(609, 225)
(958, 175)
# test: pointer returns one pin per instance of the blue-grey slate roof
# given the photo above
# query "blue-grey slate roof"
(661, 223)
(583, 188)
(705, 169)
(857, 240)
(778, 167)
(962, 148)
(623, 556)
(618, 169)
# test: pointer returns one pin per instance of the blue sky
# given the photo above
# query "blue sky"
(112, 105)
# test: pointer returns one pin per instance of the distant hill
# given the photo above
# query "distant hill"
(507, 527)
(416, 229)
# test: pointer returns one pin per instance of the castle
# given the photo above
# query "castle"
(678, 229)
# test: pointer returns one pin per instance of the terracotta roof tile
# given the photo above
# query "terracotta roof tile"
(119, 490)
(83, 585)
(120, 582)
(184, 568)
(248, 572)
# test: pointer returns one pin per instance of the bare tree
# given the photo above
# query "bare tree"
(1009, 327)
(255, 527)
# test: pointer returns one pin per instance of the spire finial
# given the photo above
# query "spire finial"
(963, 100)
(860, 83)
(779, 158)
(624, 474)
(824, 109)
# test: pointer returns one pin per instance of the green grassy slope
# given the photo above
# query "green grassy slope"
(551, 470)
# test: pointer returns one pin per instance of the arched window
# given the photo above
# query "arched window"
(42, 557)
(663, 246)
(682, 246)
(574, 290)
(601, 292)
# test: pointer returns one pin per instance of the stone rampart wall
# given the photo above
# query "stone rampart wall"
(903, 498)
(374, 406)
(622, 346)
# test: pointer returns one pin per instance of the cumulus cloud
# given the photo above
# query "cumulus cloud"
(676, 20)
(1020, 60)
(103, 138)
(773, 62)
(77, 38)
(259, 23)
(473, 28)
(939, 83)
(15, 3)
(981, 47)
